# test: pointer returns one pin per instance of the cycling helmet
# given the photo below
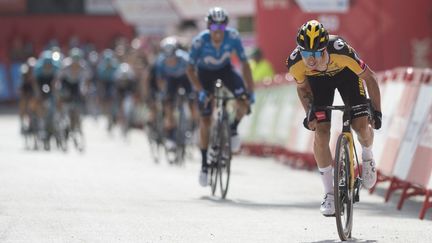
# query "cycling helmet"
(108, 54)
(46, 58)
(312, 36)
(76, 54)
(169, 45)
(217, 15)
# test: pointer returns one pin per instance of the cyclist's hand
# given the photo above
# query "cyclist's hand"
(377, 117)
(202, 96)
(309, 125)
(251, 97)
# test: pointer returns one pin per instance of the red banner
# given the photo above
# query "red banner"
(12, 6)
(385, 33)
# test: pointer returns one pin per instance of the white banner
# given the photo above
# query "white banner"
(195, 9)
(149, 15)
(412, 134)
(324, 6)
(99, 7)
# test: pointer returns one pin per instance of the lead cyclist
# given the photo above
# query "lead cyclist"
(210, 56)
(320, 64)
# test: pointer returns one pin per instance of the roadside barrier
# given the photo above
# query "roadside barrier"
(402, 147)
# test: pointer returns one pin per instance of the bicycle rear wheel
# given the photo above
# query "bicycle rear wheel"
(224, 159)
(343, 192)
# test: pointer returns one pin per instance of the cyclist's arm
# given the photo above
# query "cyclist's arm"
(247, 75)
(161, 84)
(304, 93)
(190, 71)
(372, 86)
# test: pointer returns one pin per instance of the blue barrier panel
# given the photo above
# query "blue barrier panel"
(15, 75)
(4, 84)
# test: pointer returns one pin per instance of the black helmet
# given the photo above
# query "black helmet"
(312, 36)
(217, 15)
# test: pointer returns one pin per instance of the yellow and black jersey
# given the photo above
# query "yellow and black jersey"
(341, 55)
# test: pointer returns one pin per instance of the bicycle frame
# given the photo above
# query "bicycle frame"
(345, 194)
(346, 131)
(223, 160)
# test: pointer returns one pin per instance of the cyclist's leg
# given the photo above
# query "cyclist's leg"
(23, 105)
(322, 89)
(172, 86)
(353, 92)
(235, 84)
(207, 79)
(191, 95)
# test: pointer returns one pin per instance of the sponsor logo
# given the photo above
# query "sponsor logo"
(294, 54)
(214, 61)
(320, 115)
(338, 44)
(238, 91)
(361, 87)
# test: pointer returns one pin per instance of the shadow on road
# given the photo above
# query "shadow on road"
(260, 205)
(350, 240)
(411, 208)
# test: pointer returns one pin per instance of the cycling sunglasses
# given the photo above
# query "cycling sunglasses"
(315, 54)
(214, 27)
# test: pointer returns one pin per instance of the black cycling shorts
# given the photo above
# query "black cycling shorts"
(350, 87)
(230, 79)
(173, 84)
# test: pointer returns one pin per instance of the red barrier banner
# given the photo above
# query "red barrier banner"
(13, 6)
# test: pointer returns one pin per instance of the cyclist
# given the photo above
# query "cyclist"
(27, 91)
(106, 70)
(74, 79)
(321, 63)
(45, 72)
(171, 69)
(210, 56)
(126, 93)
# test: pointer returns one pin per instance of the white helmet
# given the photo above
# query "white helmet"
(169, 45)
(217, 15)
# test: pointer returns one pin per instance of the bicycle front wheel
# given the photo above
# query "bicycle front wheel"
(224, 160)
(343, 192)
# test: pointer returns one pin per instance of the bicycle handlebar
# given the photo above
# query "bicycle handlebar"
(341, 107)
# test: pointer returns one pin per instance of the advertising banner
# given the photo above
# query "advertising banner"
(99, 7)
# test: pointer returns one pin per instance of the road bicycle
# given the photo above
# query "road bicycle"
(347, 176)
(155, 130)
(183, 131)
(220, 142)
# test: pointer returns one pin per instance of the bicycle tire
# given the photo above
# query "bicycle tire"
(213, 154)
(343, 194)
(224, 158)
(181, 134)
(213, 178)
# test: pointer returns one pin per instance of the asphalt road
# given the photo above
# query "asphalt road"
(114, 192)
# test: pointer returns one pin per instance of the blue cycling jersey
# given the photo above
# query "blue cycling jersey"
(106, 70)
(40, 71)
(204, 55)
(164, 71)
